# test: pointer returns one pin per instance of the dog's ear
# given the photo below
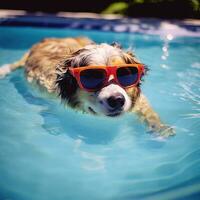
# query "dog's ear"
(66, 84)
(117, 45)
(130, 58)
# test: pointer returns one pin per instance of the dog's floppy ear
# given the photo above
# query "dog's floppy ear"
(66, 84)
(130, 58)
(117, 45)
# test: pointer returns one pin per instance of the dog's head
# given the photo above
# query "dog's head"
(111, 99)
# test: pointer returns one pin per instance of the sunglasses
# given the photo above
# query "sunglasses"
(93, 78)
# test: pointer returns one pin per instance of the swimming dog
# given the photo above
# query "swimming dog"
(100, 79)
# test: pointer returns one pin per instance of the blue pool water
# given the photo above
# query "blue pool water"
(48, 152)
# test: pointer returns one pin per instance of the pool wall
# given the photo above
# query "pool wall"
(88, 21)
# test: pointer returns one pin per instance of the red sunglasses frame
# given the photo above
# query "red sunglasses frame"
(110, 70)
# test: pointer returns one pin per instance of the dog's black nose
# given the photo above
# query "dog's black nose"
(116, 101)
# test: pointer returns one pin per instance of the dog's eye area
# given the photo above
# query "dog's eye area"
(127, 75)
(92, 79)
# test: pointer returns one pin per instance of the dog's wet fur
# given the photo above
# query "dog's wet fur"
(47, 64)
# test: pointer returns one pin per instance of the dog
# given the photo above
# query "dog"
(100, 79)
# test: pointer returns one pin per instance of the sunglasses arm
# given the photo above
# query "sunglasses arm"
(72, 71)
(142, 68)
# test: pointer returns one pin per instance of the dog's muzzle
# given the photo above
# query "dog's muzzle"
(113, 100)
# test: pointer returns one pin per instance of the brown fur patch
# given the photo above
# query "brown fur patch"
(46, 55)
(133, 93)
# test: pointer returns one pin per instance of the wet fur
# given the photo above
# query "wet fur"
(47, 64)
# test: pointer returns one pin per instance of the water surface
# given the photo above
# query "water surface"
(49, 152)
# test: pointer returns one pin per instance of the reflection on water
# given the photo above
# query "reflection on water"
(50, 152)
(165, 49)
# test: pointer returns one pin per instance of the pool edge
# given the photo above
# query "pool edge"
(92, 21)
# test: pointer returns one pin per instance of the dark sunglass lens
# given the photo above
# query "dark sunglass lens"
(127, 75)
(92, 78)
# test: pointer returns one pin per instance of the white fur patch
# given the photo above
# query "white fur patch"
(96, 55)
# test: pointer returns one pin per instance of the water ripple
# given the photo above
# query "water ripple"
(184, 169)
(189, 83)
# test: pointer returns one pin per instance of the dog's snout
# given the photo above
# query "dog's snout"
(113, 100)
(116, 101)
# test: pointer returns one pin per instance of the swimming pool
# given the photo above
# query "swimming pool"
(48, 152)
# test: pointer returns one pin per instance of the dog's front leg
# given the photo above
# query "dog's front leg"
(146, 114)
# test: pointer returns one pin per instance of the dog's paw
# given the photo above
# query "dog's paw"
(162, 130)
(166, 131)
(4, 70)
